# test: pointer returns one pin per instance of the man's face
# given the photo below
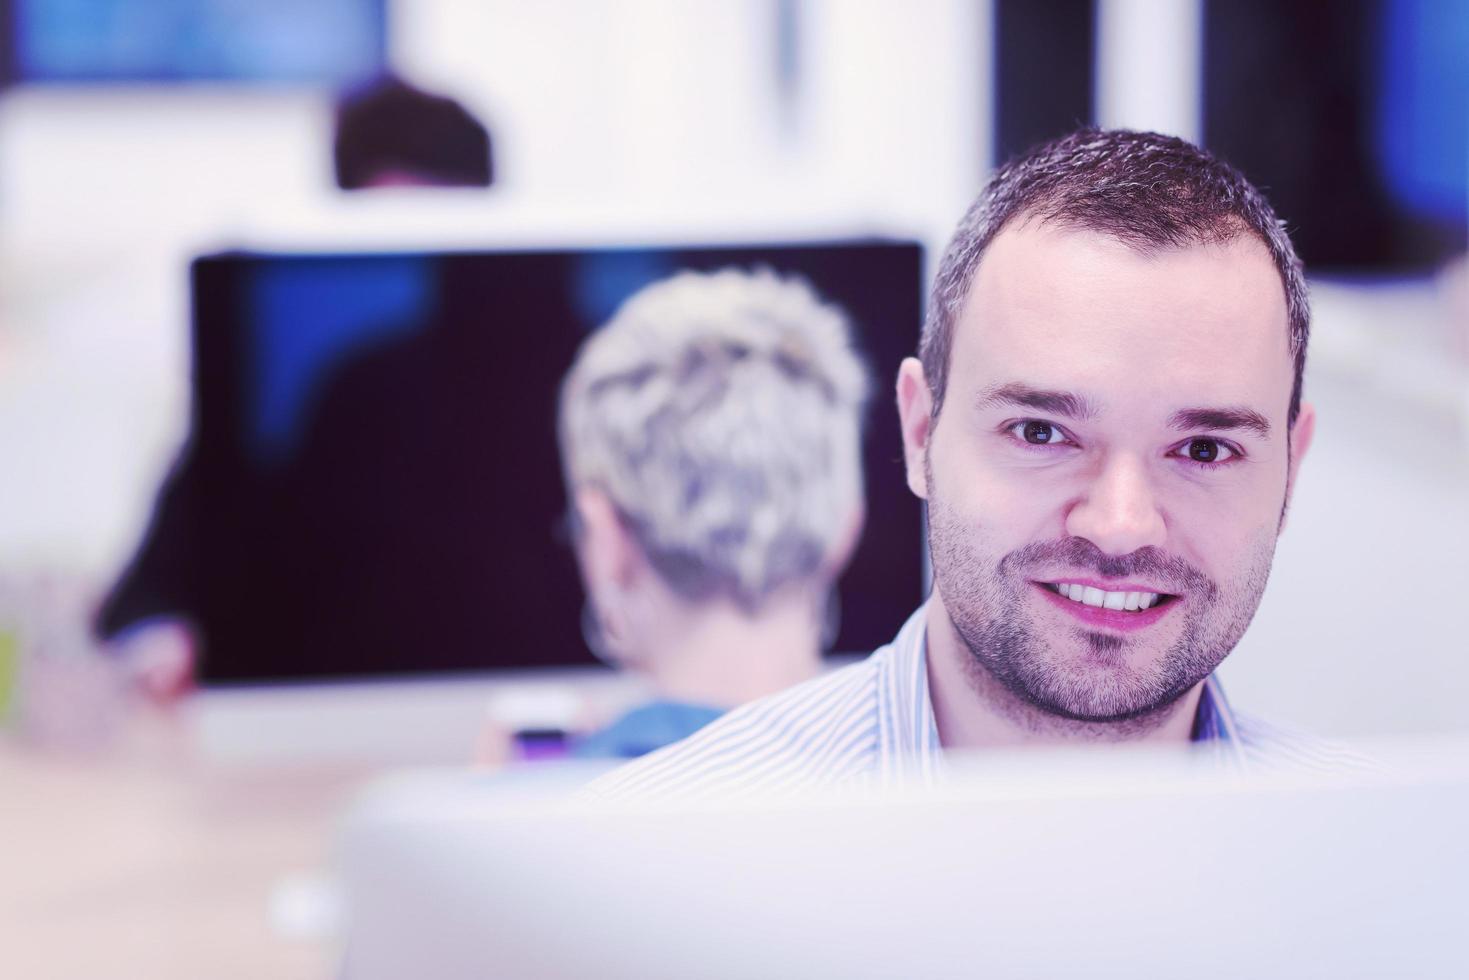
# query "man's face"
(1109, 471)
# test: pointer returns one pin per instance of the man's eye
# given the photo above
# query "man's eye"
(1207, 451)
(1038, 433)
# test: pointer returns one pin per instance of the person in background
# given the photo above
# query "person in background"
(711, 440)
(387, 133)
(390, 134)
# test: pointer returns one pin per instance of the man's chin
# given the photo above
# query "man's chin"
(1086, 697)
(1094, 677)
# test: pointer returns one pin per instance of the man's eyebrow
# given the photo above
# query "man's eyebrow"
(1063, 403)
(1221, 420)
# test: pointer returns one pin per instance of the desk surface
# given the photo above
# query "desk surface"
(139, 860)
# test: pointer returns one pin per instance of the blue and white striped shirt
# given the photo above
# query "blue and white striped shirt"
(872, 724)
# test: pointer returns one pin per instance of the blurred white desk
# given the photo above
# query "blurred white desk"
(144, 862)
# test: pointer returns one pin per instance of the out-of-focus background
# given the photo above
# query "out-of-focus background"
(137, 137)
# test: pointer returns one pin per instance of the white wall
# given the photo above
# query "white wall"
(104, 195)
(1149, 67)
(668, 101)
(649, 98)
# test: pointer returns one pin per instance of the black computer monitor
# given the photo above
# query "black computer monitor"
(373, 486)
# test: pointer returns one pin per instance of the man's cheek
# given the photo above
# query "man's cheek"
(1029, 509)
(996, 511)
(1020, 503)
(1222, 526)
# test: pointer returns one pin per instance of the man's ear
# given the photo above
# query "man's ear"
(1301, 434)
(606, 551)
(915, 417)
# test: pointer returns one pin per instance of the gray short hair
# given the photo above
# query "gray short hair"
(1146, 190)
(721, 413)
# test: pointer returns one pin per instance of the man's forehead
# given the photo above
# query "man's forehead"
(1047, 260)
(1076, 310)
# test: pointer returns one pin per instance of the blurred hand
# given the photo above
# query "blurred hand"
(494, 748)
(159, 660)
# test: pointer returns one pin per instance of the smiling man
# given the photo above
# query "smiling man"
(1105, 420)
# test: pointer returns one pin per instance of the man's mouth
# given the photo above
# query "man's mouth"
(1122, 601)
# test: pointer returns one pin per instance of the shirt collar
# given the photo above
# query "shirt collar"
(908, 733)
(1216, 726)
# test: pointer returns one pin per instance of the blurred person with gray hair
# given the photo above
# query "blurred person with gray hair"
(711, 440)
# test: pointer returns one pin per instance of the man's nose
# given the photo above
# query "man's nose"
(1118, 511)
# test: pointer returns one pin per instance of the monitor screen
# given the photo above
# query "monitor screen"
(273, 41)
(373, 485)
(1364, 148)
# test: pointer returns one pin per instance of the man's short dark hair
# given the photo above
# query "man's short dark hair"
(1145, 190)
(389, 127)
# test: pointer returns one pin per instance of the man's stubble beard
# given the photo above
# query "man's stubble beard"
(1011, 659)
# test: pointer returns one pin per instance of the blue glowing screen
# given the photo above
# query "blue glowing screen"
(305, 41)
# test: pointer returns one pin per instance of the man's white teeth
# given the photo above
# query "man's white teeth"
(1106, 600)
